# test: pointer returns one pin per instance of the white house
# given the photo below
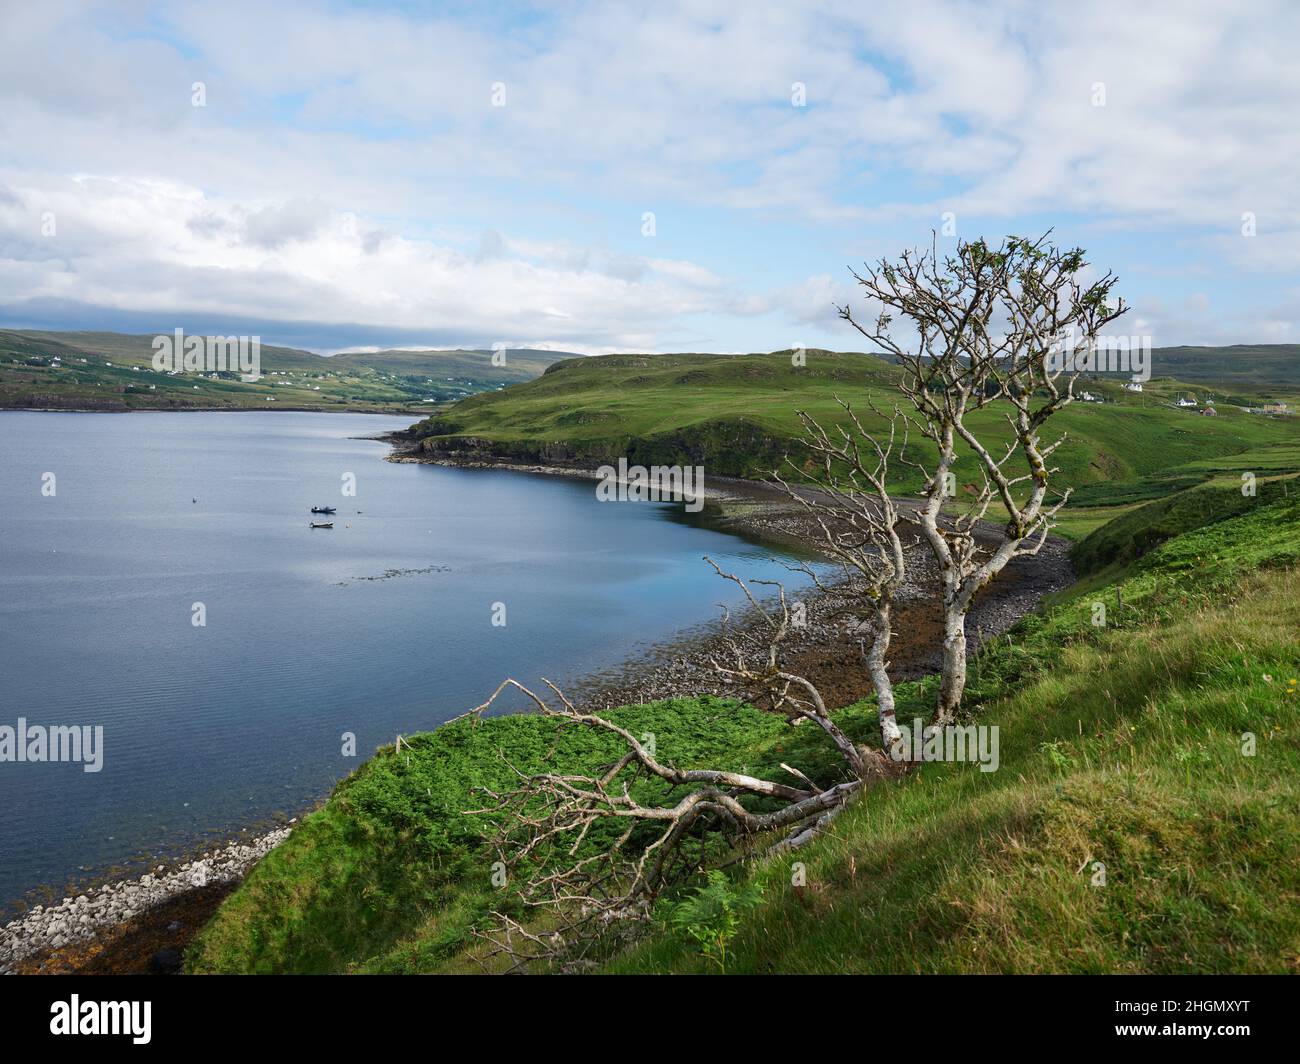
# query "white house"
(1134, 384)
(1184, 401)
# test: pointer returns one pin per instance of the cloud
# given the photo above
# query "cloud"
(281, 223)
(145, 246)
(366, 175)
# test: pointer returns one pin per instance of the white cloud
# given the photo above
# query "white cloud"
(913, 108)
(144, 245)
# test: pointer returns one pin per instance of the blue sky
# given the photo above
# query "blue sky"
(448, 175)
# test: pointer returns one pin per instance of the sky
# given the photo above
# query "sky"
(669, 176)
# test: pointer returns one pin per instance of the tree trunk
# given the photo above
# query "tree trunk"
(884, 688)
(953, 681)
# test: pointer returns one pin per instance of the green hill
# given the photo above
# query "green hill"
(735, 415)
(1260, 369)
(1121, 748)
(114, 371)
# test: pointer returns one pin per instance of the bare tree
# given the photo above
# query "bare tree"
(590, 853)
(1011, 325)
(859, 523)
(594, 850)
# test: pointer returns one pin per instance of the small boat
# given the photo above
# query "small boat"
(322, 509)
(322, 524)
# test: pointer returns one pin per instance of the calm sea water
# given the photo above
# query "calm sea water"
(378, 627)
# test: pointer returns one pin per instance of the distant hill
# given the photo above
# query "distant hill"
(521, 363)
(1242, 367)
(45, 369)
(114, 371)
(1247, 369)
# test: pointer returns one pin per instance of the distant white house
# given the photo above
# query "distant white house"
(1184, 401)
(1088, 397)
(1134, 384)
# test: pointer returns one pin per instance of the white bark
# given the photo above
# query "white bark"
(958, 366)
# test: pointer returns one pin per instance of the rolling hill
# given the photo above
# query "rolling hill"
(1260, 369)
(113, 371)
(736, 416)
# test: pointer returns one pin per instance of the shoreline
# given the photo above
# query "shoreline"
(126, 924)
(827, 649)
(59, 938)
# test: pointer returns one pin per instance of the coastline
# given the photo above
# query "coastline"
(72, 935)
(827, 648)
(141, 924)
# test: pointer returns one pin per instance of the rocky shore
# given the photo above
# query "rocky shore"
(47, 929)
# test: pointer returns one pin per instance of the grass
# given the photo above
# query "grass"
(1137, 530)
(391, 873)
(1121, 746)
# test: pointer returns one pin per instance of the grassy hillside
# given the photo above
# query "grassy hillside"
(1120, 745)
(736, 416)
(113, 371)
(1259, 369)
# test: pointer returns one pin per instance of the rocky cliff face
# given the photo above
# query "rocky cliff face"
(475, 449)
(732, 448)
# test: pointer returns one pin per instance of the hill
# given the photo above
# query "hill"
(1127, 828)
(113, 371)
(735, 415)
(1258, 369)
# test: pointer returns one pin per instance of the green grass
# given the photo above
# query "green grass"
(1136, 531)
(391, 873)
(1119, 745)
(1259, 370)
